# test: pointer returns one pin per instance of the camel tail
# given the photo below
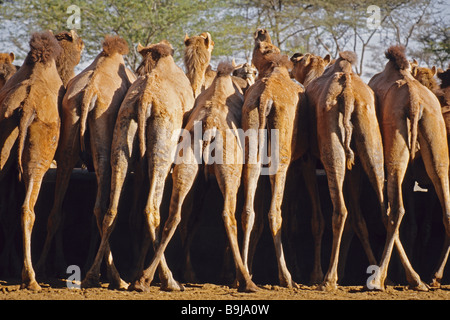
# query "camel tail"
(87, 104)
(143, 110)
(265, 105)
(349, 105)
(415, 110)
(25, 122)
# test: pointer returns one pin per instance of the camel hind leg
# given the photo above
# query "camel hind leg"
(183, 178)
(228, 178)
(434, 151)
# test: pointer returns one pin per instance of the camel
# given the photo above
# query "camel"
(91, 103)
(197, 55)
(7, 69)
(409, 114)
(246, 71)
(152, 111)
(72, 46)
(217, 112)
(29, 131)
(344, 108)
(271, 102)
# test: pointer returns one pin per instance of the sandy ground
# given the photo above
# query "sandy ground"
(57, 290)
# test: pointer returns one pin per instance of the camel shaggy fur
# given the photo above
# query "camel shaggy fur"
(30, 124)
(153, 109)
(409, 114)
(91, 103)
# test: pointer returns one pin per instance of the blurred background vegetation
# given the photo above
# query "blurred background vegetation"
(315, 26)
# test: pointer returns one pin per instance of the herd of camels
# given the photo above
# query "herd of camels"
(123, 121)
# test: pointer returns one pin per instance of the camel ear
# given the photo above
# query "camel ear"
(296, 57)
(50, 31)
(12, 57)
(73, 34)
(327, 58)
(140, 47)
(208, 40)
(415, 62)
(233, 63)
(186, 38)
(306, 58)
(434, 70)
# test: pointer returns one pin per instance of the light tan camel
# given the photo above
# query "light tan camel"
(150, 115)
(218, 113)
(345, 114)
(91, 103)
(7, 69)
(29, 122)
(197, 55)
(192, 207)
(409, 113)
(270, 103)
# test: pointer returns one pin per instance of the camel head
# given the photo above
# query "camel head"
(114, 44)
(262, 35)
(424, 75)
(71, 38)
(152, 54)
(246, 71)
(203, 41)
(308, 67)
(44, 48)
(7, 58)
(261, 52)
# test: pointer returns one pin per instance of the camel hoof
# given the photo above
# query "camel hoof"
(90, 282)
(248, 287)
(139, 287)
(172, 286)
(420, 287)
(118, 285)
(31, 285)
(328, 286)
(435, 284)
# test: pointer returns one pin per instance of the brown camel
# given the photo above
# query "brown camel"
(344, 108)
(409, 113)
(29, 122)
(426, 76)
(217, 112)
(7, 69)
(246, 71)
(72, 46)
(270, 103)
(91, 102)
(150, 115)
(197, 55)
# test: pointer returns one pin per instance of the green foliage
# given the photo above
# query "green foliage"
(316, 26)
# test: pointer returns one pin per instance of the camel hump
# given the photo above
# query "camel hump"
(349, 56)
(224, 68)
(397, 55)
(115, 44)
(43, 48)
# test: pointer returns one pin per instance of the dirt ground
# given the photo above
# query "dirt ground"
(57, 290)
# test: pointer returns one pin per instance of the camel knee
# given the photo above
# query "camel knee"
(275, 222)
(28, 218)
(338, 220)
(248, 218)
